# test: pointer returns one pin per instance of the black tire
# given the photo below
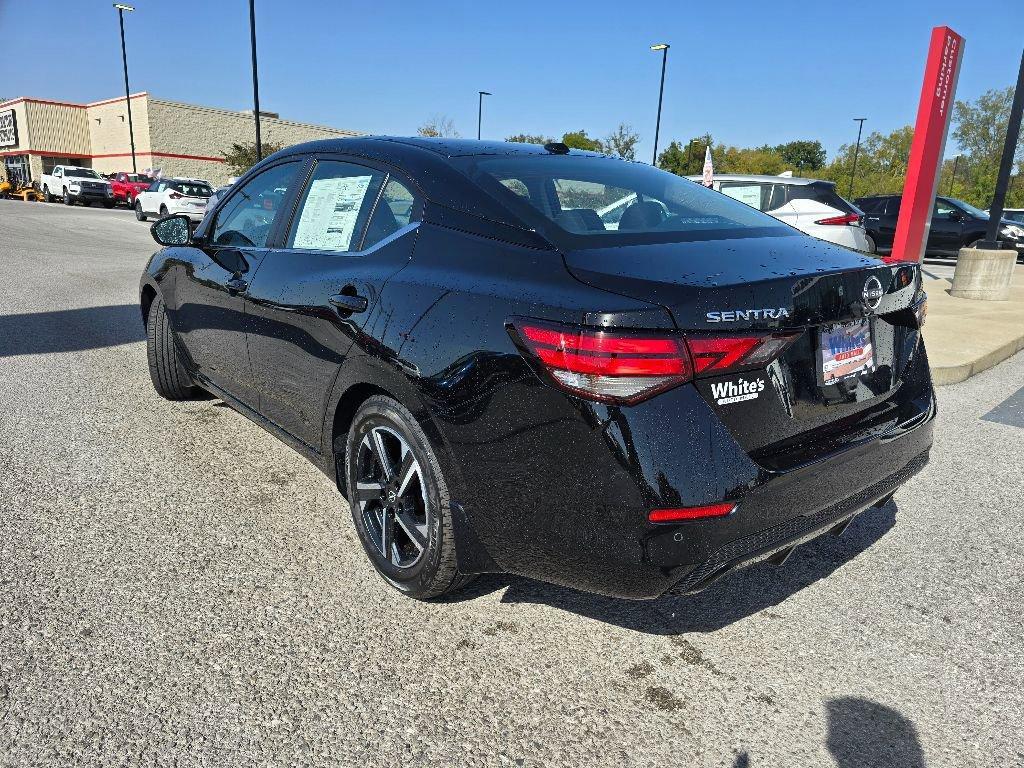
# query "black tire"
(170, 379)
(67, 198)
(46, 194)
(163, 210)
(431, 570)
(871, 244)
(139, 214)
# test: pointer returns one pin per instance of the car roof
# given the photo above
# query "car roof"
(428, 161)
(796, 180)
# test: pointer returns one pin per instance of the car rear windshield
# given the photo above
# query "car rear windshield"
(191, 189)
(598, 201)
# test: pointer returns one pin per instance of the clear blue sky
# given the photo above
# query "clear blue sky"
(748, 71)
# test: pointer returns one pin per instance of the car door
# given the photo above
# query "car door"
(883, 222)
(209, 314)
(946, 233)
(58, 181)
(149, 199)
(354, 226)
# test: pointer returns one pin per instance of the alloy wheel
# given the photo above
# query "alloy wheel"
(392, 497)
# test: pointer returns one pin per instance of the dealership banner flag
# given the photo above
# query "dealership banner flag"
(709, 168)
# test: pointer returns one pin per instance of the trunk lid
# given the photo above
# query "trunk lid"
(792, 284)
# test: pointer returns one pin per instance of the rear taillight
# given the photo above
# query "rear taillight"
(608, 366)
(850, 219)
(713, 355)
(175, 196)
(616, 366)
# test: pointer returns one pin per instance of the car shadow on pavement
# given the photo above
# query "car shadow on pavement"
(70, 330)
(735, 597)
(865, 734)
(862, 732)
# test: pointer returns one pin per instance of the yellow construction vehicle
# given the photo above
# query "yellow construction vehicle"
(23, 191)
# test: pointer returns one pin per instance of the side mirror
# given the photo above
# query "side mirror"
(172, 230)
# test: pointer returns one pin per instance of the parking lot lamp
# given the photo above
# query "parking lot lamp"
(480, 111)
(856, 151)
(255, 79)
(121, 8)
(952, 179)
(995, 221)
(663, 47)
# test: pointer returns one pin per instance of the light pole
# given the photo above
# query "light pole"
(663, 47)
(121, 8)
(956, 162)
(480, 111)
(255, 79)
(856, 151)
(995, 213)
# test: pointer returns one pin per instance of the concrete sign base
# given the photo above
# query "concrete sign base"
(983, 275)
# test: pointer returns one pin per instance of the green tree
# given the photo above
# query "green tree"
(242, 156)
(580, 140)
(980, 132)
(438, 126)
(802, 155)
(686, 159)
(622, 142)
(529, 138)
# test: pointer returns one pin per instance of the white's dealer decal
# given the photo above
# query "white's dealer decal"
(736, 391)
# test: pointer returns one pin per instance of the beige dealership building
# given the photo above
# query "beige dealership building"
(180, 139)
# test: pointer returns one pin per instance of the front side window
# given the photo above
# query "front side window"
(596, 202)
(248, 217)
(942, 210)
(335, 206)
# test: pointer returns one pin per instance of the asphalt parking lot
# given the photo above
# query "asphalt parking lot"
(179, 588)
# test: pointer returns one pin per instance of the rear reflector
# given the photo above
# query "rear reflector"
(850, 218)
(690, 513)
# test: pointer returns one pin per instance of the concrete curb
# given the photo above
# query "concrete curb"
(954, 374)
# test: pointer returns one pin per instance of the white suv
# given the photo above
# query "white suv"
(168, 196)
(810, 205)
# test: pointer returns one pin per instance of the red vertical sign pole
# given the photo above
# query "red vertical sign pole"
(933, 113)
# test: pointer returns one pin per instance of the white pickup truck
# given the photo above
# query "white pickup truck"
(77, 185)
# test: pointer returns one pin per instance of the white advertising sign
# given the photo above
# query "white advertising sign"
(8, 128)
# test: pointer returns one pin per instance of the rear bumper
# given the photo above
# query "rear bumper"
(565, 498)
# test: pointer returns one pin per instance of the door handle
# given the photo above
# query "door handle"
(348, 303)
(236, 285)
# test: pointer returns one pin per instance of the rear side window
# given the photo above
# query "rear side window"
(335, 206)
(819, 192)
(394, 210)
(892, 206)
(752, 194)
(191, 189)
(247, 219)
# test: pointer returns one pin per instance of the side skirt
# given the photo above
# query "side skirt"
(324, 464)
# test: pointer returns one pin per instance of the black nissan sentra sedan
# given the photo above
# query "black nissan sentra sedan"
(541, 361)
